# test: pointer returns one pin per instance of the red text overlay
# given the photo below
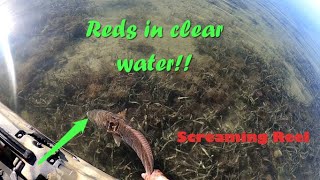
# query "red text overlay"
(277, 137)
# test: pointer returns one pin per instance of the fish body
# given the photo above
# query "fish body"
(117, 126)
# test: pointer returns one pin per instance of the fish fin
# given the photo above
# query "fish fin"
(117, 139)
(122, 114)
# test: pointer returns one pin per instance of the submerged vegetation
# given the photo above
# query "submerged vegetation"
(232, 86)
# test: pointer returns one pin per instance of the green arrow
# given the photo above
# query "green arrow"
(78, 127)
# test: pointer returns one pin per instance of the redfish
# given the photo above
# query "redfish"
(120, 130)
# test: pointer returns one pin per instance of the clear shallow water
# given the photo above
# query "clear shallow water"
(260, 76)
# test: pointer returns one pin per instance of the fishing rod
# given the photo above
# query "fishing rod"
(22, 146)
